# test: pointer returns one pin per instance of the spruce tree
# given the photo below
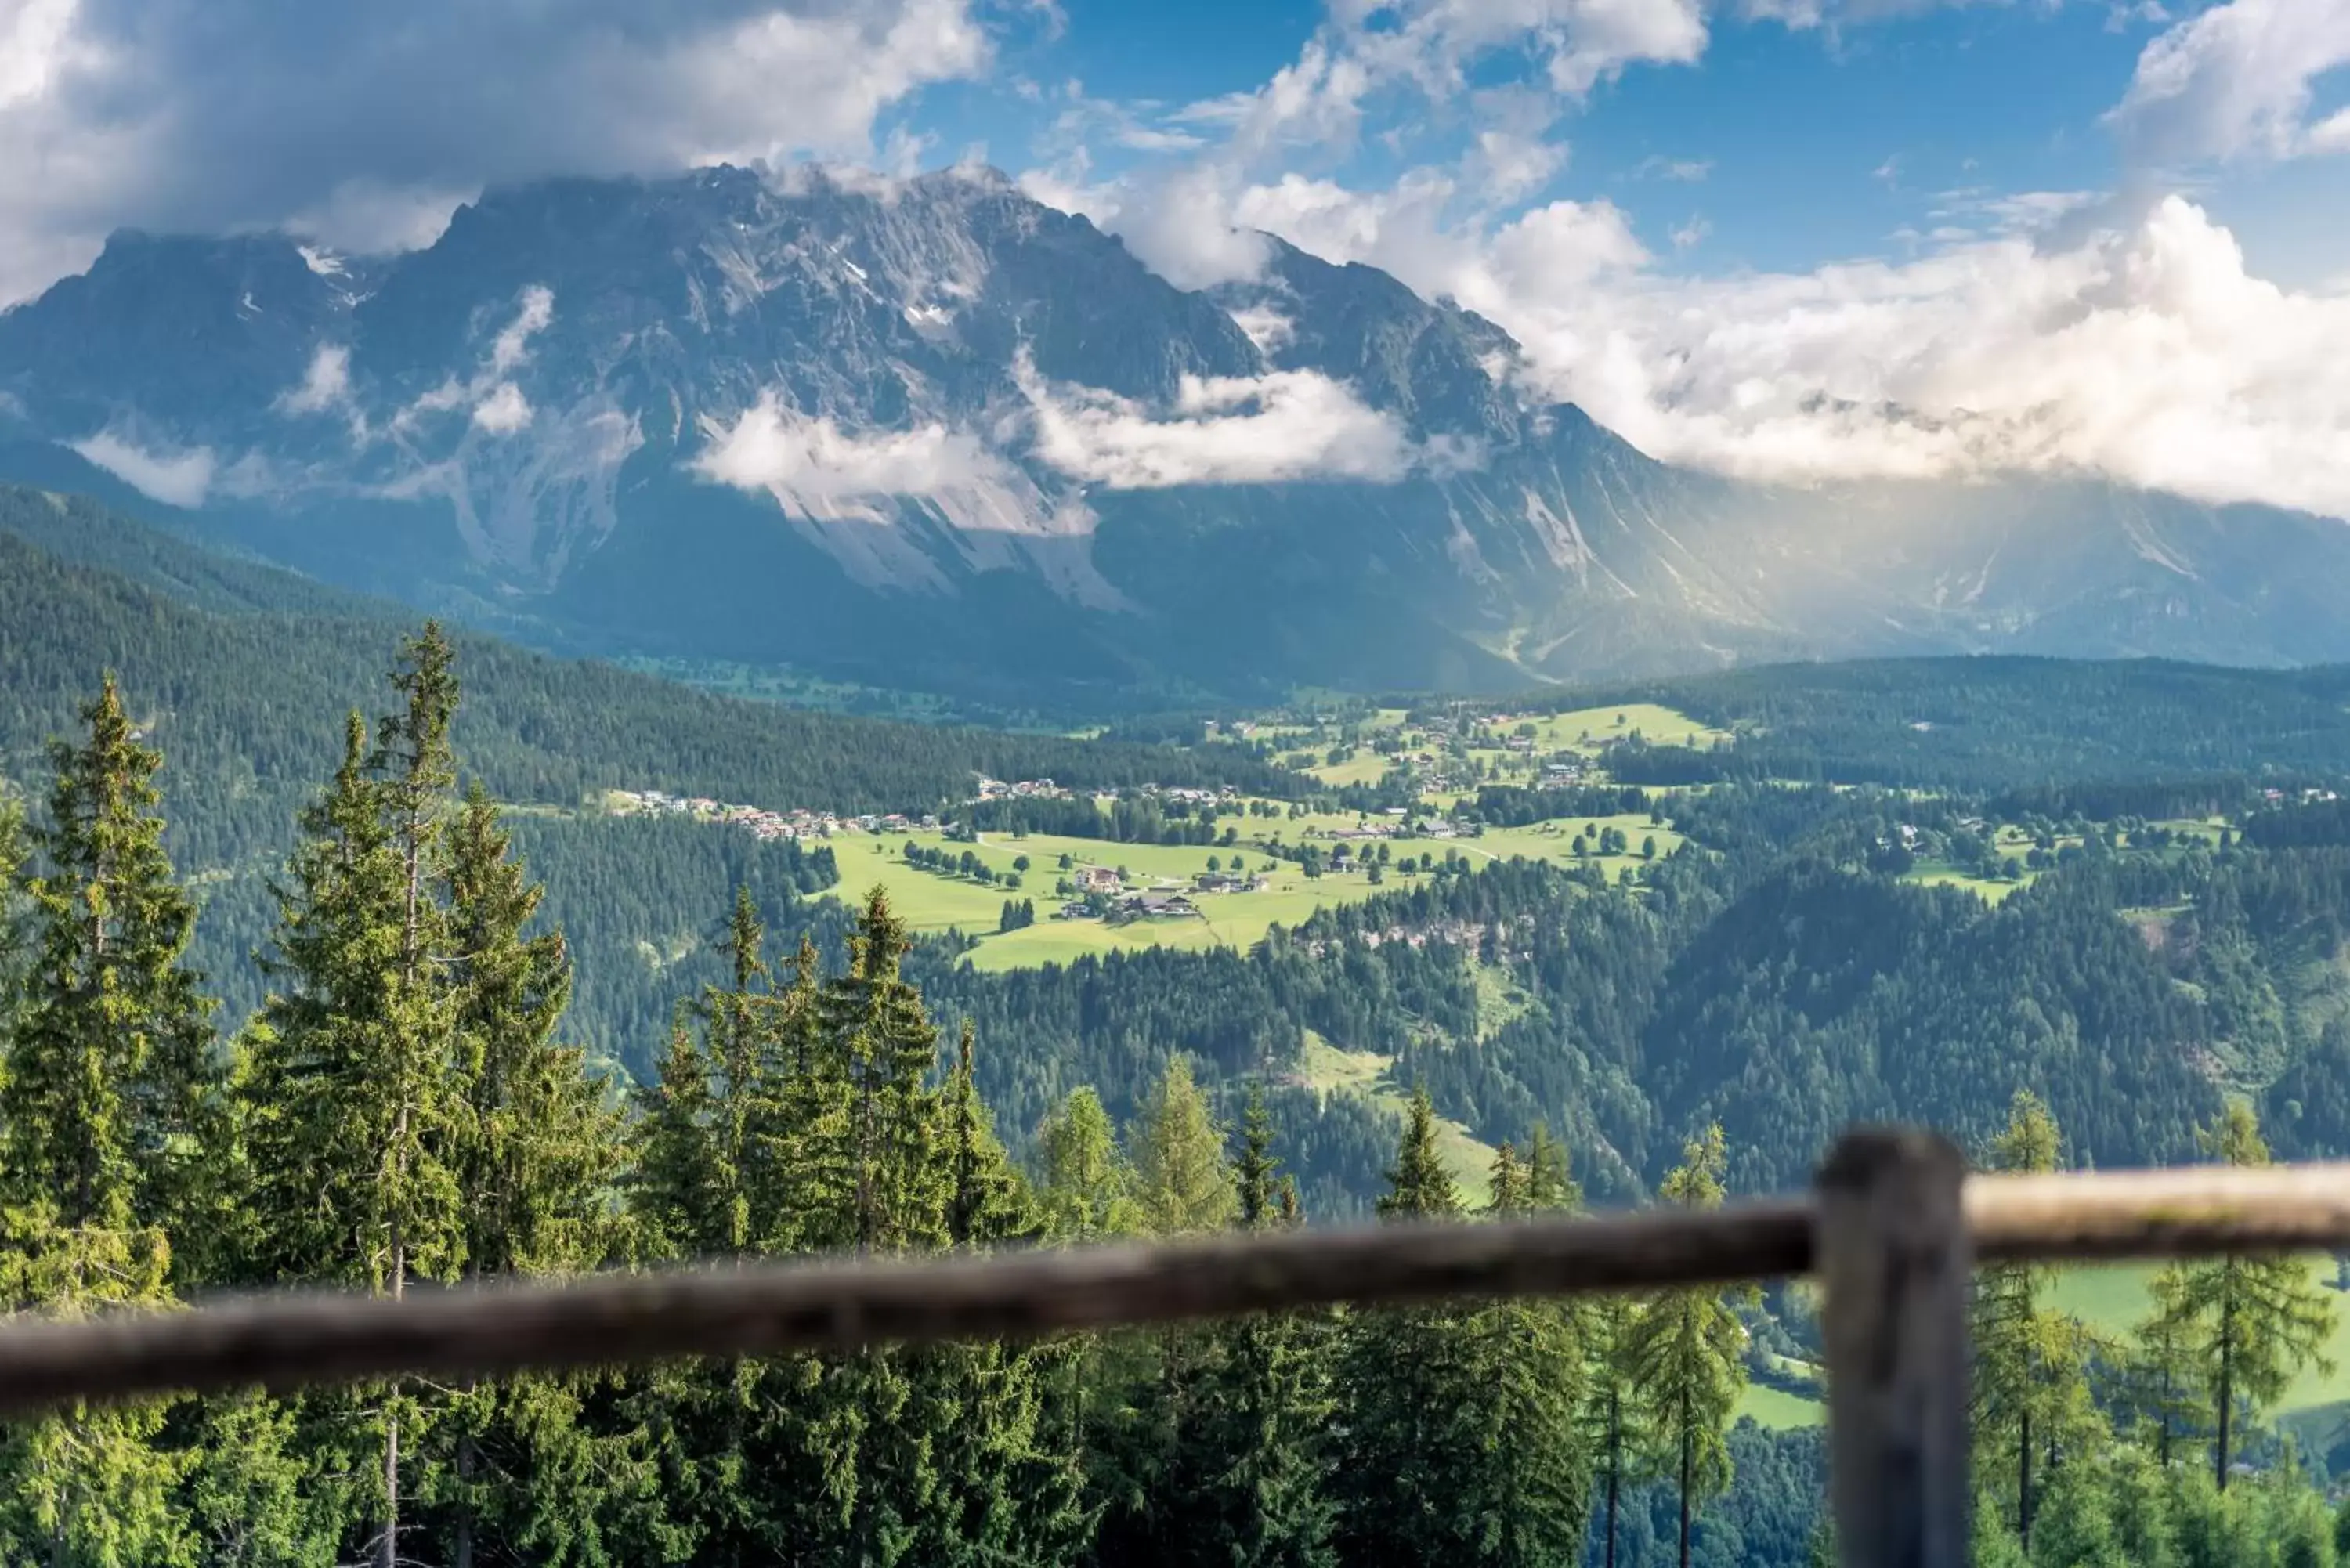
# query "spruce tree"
(105, 1098)
(2253, 1320)
(538, 1152)
(1685, 1352)
(1258, 1458)
(2031, 1364)
(1410, 1444)
(877, 1137)
(1527, 1388)
(108, 1085)
(352, 1098)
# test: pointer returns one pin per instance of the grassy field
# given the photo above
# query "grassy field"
(1588, 728)
(2113, 1299)
(1779, 1411)
(930, 902)
(1365, 767)
(1368, 1076)
(1935, 874)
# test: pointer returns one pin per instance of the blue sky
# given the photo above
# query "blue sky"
(1815, 143)
(1797, 239)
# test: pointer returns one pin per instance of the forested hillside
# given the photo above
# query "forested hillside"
(1990, 724)
(402, 1111)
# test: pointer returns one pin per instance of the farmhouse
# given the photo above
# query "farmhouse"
(1098, 879)
(1159, 906)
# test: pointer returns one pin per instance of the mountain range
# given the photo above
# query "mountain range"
(932, 435)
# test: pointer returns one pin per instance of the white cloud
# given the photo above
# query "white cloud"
(2237, 80)
(326, 385)
(814, 466)
(498, 405)
(173, 478)
(362, 125)
(505, 411)
(1179, 225)
(2145, 354)
(1281, 428)
(512, 345)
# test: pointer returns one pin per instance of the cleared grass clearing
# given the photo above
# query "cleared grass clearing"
(1365, 767)
(1776, 1410)
(1588, 728)
(1934, 874)
(1370, 1075)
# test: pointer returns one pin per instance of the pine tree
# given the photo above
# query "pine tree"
(1686, 1352)
(108, 1087)
(2253, 1319)
(2030, 1365)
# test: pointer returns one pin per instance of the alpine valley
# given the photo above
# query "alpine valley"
(931, 435)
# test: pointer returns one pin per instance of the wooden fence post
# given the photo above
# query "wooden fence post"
(1894, 1261)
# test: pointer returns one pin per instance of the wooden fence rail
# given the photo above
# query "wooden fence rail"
(1892, 1228)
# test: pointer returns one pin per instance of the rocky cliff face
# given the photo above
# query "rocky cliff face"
(933, 432)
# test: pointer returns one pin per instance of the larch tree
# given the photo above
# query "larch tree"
(2251, 1319)
(1685, 1352)
(1083, 1181)
(1614, 1430)
(2030, 1389)
(2162, 1378)
(1182, 1184)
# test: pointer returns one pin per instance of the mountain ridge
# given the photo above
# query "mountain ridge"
(934, 433)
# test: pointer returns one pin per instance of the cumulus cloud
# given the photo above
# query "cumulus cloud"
(364, 124)
(1280, 428)
(2144, 352)
(326, 385)
(505, 411)
(173, 477)
(814, 466)
(2237, 80)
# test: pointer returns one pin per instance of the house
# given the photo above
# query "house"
(1220, 882)
(1098, 879)
(1159, 906)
